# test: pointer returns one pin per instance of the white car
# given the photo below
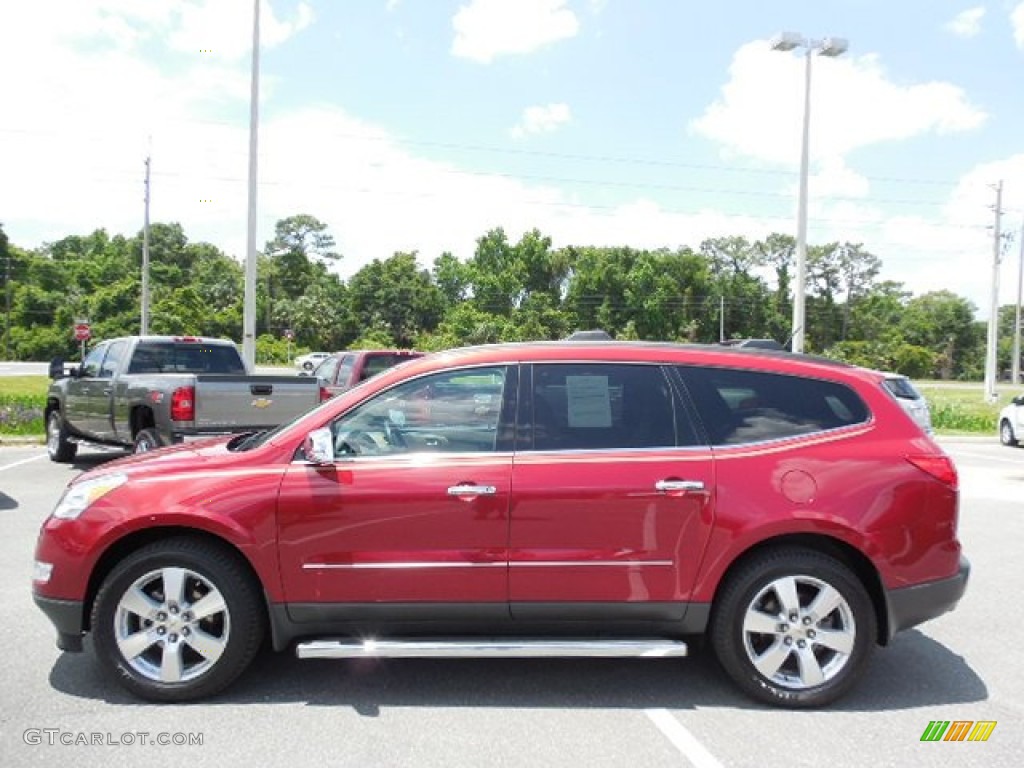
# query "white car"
(310, 361)
(1011, 422)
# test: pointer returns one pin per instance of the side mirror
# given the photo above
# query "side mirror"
(57, 368)
(319, 446)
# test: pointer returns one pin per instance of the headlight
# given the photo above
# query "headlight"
(80, 496)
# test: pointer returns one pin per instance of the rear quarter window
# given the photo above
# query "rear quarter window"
(740, 406)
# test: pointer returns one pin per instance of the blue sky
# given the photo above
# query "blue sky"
(420, 124)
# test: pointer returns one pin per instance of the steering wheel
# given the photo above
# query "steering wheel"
(359, 443)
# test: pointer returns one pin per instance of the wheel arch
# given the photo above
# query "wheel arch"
(845, 553)
(134, 541)
(139, 418)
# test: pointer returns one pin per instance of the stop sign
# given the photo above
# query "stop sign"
(82, 332)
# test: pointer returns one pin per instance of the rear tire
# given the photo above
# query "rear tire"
(1006, 436)
(147, 440)
(178, 620)
(58, 446)
(793, 628)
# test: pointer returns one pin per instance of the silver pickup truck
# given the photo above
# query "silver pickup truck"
(144, 392)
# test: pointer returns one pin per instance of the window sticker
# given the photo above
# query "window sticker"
(590, 402)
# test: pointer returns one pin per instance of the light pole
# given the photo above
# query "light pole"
(249, 298)
(829, 46)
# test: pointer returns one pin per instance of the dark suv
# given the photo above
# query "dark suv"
(580, 498)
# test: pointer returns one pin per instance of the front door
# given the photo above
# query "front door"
(413, 514)
(88, 395)
(611, 495)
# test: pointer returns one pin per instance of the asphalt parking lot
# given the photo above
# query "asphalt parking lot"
(964, 666)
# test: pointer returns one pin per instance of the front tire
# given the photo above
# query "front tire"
(793, 628)
(58, 446)
(178, 620)
(1006, 436)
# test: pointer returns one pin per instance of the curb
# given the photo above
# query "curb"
(22, 440)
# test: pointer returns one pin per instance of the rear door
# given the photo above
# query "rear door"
(612, 494)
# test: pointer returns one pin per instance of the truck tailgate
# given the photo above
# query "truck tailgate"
(235, 403)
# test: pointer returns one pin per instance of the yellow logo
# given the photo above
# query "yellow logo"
(262, 402)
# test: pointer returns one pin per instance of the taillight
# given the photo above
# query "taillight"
(939, 467)
(183, 404)
(325, 394)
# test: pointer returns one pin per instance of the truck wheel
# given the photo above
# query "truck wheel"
(147, 440)
(793, 628)
(58, 446)
(177, 620)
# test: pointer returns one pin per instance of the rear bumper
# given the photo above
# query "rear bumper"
(910, 606)
(68, 619)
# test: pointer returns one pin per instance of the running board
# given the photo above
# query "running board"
(490, 648)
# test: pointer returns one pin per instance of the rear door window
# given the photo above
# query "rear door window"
(345, 370)
(604, 406)
(112, 362)
(740, 406)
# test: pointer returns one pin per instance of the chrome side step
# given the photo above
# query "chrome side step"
(490, 648)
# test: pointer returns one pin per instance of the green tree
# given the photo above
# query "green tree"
(397, 296)
(944, 323)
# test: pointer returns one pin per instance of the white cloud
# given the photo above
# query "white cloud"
(66, 175)
(967, 23)
(487, 29)
(1017, 21)
(214, 26)
(541, 119)
(854, 104)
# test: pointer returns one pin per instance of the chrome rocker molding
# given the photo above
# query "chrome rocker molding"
(516, 648)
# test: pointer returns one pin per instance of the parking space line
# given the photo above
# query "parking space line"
(23, 461)
(983, 457)
(682, 739)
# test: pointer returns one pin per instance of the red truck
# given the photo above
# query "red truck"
(343, 370)
(608, 499)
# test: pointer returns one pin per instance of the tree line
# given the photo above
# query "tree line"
(506, 291)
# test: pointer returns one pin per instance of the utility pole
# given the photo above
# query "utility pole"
(144, 331)
(249, 303)
(993, 319)
(721, 319)
(7, 290)
(1016, 318)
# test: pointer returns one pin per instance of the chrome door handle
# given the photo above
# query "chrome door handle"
(472, 490)
(679, 485)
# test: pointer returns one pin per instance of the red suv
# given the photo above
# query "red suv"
(545, 499)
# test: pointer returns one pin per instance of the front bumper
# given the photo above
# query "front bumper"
(69, 619)
(910, 606)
